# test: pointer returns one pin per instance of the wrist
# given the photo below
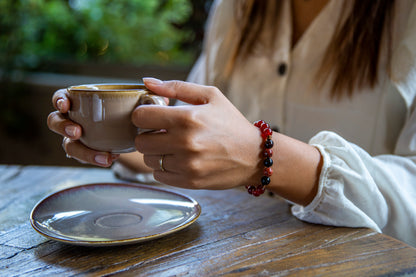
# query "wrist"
(297, 167)
(287, 167)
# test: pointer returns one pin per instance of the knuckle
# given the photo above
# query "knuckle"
(193, 167)
(189, 118)
(193, 146)
(188, 146)
(51, 119)
(212, 91)
(60, 93)
(176, 85)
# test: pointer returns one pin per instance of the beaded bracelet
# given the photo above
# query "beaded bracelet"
(266, 134)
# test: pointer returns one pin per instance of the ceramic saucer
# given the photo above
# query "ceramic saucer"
(112, 214)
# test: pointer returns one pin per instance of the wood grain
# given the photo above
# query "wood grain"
(236, 235)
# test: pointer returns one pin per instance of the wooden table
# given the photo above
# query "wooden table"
(236, 235)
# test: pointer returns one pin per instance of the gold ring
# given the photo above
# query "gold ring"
(161, 163)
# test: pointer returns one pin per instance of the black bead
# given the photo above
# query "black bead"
(268, 162)
(281, 69)
(268, 143)
(265, 180)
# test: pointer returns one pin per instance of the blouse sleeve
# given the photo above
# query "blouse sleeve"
(378, 192)
(357, 190)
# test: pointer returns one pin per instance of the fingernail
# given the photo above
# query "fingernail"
(152, 81)
(71, 130)
(59, 104)
(101, 159)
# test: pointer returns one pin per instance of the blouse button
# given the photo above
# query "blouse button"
(281, 69)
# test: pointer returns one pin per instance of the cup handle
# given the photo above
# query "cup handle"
(150, 99)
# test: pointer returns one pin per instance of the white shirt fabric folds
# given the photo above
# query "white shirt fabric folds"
(368, 142)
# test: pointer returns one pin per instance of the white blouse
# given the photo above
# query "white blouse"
(368, 142)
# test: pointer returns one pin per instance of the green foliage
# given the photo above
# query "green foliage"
(34, 32)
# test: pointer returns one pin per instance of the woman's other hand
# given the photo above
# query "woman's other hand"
(59, 123)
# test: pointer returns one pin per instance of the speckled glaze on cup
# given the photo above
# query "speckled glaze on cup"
(104, 113)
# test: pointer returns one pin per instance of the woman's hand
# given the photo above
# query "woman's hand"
(59, 123)
(206, 145)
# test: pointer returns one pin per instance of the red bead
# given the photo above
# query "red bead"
(268, 171)
(260, 189)
(266, 133)
(251, 189)
(268, 152)
(264, 127)
(258, 123)
(256, 193)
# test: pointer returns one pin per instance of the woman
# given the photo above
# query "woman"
(338, 78)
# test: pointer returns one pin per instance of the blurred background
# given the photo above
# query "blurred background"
(50, 44)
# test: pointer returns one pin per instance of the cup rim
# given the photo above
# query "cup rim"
(107, 87)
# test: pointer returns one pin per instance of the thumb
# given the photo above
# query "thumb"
(187, 92)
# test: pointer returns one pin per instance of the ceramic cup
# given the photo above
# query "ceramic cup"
(104, 113)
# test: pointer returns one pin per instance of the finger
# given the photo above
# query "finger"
(170, 178)
(187, 92)
(169, 118)
(63, 126)
(160, 162)
(61, 101)
(176, 179)
(167, 175)
(75, 149)
(152, 117)
(174, 171)
(153, 143)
